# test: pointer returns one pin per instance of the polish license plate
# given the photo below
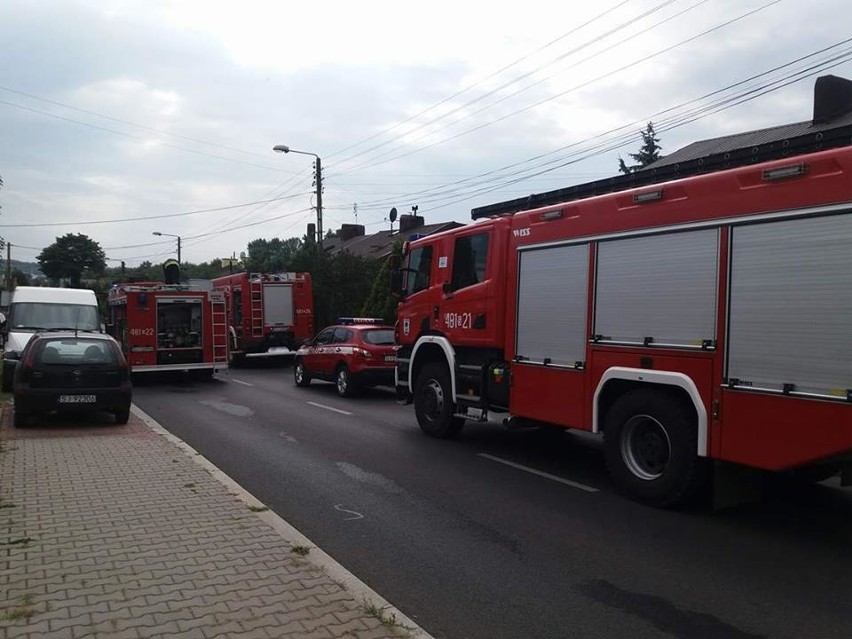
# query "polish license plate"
(77, 399)
(390, 358)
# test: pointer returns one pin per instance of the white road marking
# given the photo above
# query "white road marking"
(238, 381)
(287, 437)
(540, 473)
(351, 512)
(336, 410)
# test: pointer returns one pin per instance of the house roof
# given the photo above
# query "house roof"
(379, 245)
(758, 138)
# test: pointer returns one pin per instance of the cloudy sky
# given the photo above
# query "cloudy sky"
(119, 118)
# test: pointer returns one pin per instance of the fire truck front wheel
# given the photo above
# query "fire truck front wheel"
(650, 448)
(433, 402)
(301, 378)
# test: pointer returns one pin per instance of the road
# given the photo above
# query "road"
(513, 534)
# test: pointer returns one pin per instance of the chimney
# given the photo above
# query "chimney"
(832, 98)
(408, 222)
(348, 231)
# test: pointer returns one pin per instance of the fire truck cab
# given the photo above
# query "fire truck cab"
(268, 314)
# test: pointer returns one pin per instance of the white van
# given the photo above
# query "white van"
(40, 308)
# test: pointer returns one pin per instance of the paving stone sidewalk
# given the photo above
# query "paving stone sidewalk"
(123, 532)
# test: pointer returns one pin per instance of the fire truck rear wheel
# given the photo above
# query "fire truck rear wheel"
(651, 439)
(301, 378)
(433, 402)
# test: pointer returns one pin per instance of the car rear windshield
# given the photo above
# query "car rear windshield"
(75, 351)
(380, 337)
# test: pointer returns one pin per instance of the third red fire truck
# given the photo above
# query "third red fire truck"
(268, 314)
(698, 312)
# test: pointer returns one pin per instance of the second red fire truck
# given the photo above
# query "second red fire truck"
(268, 314)
(699, 312)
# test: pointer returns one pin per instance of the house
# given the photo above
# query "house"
(830, 124)
(352, 238)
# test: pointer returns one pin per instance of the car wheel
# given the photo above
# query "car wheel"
(346, 386)
(300, 376)
(650, 446)
(21, 419)
(433, 402)
(122, 416)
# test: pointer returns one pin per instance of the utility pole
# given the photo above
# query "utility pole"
(319, 203)
(355, 208)
(8, 266)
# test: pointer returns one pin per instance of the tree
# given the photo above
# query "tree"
(648, 153)
(72, 256)
(382, 302)
(20, 278)
(272, 256)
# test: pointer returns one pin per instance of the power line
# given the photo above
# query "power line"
(149, 217)
(470, 87)
(563, 93)
(135, 137)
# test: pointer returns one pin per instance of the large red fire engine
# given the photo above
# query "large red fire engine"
(268, 314)
(699, 312)
(169, 326)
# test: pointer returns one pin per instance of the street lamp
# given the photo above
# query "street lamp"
(283, 148)
(170, 235)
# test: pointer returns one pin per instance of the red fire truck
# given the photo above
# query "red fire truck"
(169, 326)
(268, 314)
(699, 312)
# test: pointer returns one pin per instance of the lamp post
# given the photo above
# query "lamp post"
(170, 235)
(283, 148)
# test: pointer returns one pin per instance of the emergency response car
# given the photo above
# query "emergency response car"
(355, 353)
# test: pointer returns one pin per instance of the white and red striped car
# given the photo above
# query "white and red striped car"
(355, 353)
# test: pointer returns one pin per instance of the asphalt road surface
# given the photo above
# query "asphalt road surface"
(514, 534)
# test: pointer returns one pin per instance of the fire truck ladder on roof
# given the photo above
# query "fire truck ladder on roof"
(256, 304)
(220, 328)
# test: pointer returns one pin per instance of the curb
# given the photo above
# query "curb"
(361, 591)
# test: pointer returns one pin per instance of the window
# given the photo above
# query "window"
(381, 337)
(419, 269)
(326, 337)
(75, 351)
(342, 336)
(42, 315)
(470, 260)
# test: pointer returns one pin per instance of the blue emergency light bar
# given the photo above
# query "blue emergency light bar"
(360, 320)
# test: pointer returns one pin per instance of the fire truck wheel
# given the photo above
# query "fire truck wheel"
(433, 402)
(346, 386)
(122, 416)
(650, 448)
(301, 378)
